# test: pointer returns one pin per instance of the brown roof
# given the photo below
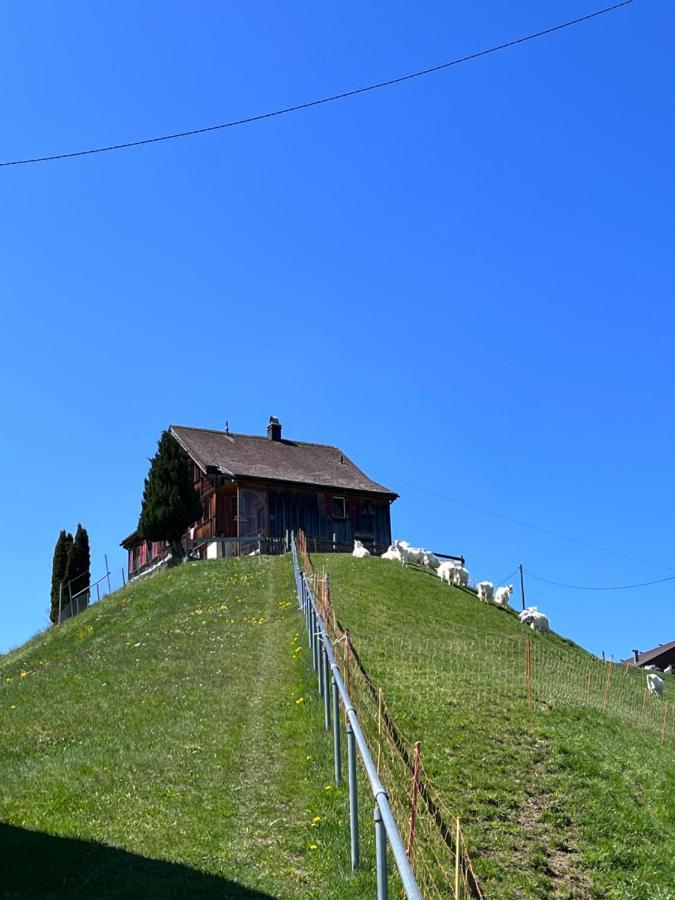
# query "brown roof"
(644, 659)
(252, 456)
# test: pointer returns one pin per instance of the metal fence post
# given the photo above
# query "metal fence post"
(319, 660)
(60, 601)
(326, 691)
(380, 855)
(353, 797)
(336, 733)
(312, 635)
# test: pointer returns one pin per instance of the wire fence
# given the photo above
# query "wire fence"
(488, 668)
(434, 838)
(75, 598)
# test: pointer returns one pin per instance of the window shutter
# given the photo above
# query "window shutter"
(352, 507)
(328, 505)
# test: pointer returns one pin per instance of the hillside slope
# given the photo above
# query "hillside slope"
(574, 797)
(168, 743)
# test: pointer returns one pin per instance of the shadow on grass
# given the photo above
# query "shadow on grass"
(37, 866)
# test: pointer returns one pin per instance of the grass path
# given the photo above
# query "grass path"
(169, 743)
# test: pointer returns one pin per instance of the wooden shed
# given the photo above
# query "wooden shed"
(262, 487)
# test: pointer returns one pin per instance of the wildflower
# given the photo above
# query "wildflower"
(300, 700)
(23, 674)
(312, 846)
(328, 787)
(13, 706)
(308, 757)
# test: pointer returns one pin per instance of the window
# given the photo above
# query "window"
(339, 508)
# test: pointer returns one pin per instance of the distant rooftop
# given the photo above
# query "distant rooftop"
(274, 458)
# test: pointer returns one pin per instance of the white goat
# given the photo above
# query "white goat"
(410, 555)
(503, 595)
(486, 590)
(433, 562)
(460, 576)
(445, 571)
(651, 669)
(668, 670)
(655, 685)
(392, 553)
(359, 551)
(535, 619)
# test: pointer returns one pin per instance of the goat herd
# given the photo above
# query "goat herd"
(453, 573)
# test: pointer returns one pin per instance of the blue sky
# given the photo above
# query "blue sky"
(465, 281)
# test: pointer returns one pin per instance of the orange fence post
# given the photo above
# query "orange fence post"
(605, 698)
(379, 728)
(457, 840)
(528, 669)
(348, 662)
(413, 802)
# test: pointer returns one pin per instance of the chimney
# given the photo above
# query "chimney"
(636, 656)
(274, 429)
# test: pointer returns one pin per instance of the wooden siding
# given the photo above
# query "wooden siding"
(368, 517)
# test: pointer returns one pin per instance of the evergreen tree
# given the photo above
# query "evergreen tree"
(59, 567)
(78, 575)
(170, 502)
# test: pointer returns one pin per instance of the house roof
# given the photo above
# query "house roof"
(644, 659)
(253, 456)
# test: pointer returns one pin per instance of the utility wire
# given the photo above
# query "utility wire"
(495, 515)
(311, 103)
(583, 587)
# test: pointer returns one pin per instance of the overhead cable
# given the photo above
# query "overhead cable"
(322, 100)
(586, 587)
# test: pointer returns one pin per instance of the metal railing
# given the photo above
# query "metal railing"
(332, 688)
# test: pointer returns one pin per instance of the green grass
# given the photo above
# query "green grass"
(574, 798)
(154, 747)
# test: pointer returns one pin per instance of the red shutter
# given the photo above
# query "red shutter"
(328, 505)
(352, 507)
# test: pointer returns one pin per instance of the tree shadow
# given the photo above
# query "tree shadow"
(38, 866)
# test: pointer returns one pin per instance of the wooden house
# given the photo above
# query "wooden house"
(256, 489)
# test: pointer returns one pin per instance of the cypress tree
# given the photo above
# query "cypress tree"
(59, 567)
(170, 502)
(78, 575)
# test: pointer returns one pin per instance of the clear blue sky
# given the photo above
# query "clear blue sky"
(465, 281)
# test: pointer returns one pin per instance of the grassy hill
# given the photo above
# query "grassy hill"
(168, 743)
(574, 797)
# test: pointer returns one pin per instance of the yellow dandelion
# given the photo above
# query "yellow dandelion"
(328, 787)
(312, 846)
(23, 674)
(316, 819)
(13, 706)
(308, 758)
(300, 700)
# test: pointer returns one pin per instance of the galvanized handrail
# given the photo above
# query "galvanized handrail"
(323, 660)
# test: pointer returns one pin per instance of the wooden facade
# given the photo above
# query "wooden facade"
(240, 506)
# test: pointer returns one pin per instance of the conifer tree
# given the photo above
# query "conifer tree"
(170, 502)
(78, 575)
(59, 567)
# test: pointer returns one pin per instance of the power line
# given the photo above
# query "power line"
(582, 587)
(495, 515)
(311, 103)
